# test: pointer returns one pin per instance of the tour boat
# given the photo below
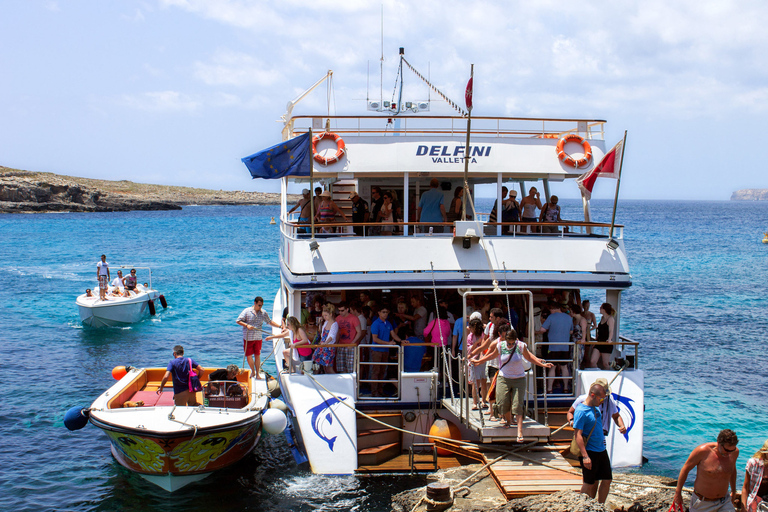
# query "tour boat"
(174, 446)
(119, 310)
(399, 146)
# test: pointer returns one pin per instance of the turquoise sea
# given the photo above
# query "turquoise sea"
(697, 306)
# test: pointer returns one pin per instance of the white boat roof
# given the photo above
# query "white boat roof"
(518, 148)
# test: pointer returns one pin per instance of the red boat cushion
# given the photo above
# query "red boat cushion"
(151, 398)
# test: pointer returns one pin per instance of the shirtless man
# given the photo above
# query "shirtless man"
(304, 207)
(715, 465)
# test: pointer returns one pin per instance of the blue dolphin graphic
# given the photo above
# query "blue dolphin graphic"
(626, 402)
(318, 416)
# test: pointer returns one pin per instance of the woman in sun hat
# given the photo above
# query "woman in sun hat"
(755, 489)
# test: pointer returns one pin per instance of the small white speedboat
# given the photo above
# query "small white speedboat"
(117, 309)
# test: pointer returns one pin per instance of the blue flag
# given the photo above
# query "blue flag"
(289, 158)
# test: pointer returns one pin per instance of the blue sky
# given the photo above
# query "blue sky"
(177, 91)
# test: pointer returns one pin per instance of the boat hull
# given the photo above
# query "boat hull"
(172, 462)
(115, 312)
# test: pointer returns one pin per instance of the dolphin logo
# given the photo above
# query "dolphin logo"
(318, 415)
(626, 402)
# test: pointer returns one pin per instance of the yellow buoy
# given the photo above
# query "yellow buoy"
(272, 221)
(444, 428)
(765, 238)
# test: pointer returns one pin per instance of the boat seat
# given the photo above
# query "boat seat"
(151, 398)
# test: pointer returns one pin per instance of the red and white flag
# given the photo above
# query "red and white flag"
(609, 167)
(468, 94)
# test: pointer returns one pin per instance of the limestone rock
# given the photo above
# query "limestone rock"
(750, 194)
(27, 192)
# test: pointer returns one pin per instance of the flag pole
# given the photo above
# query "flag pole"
(466, 149)
(618, 182)
(311, 186)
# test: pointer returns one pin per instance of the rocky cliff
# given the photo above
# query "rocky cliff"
(750, 194)
(25, 191)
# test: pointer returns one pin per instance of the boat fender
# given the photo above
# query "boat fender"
(444, 428)
(273, 387)
(163, 302)
(568, 159)
(76, 418)
(118, 372)
(273, 421)
(279, 405)
(151, 305)
(340, 148)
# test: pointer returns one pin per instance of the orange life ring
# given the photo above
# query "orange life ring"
(568, 159)
(340, 148)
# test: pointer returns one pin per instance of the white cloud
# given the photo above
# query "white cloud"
(161, 101)
(236, 69)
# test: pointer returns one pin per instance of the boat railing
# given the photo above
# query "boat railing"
(294, 230)
(365, 369)
(574, 362)
(430, 125)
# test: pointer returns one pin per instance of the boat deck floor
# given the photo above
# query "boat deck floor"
(493, 432)
(422, 462)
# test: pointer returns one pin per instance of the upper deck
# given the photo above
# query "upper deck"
(402, 154)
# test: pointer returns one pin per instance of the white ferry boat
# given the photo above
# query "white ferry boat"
(337, 425)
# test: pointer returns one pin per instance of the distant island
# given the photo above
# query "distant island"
(28, 192)
(750, 194)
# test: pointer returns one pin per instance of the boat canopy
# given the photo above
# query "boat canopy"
(515, 148)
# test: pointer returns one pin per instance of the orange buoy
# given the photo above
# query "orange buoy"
(118, 372)
(446, 429)
(568, 159)
(340, 148)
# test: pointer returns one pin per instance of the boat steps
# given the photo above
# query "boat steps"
(378, 454)
(376, 443)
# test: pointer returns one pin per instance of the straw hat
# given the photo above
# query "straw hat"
(326, 193)
(764, 449)
(604, 382)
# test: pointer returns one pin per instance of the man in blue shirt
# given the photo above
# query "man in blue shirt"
(559, 325)
(381, 332)
(178, 370)
(588, 427)
(431, 206)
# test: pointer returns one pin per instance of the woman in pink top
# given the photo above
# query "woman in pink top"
(439, 329)
(300, 337)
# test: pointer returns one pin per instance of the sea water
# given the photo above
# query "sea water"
(697, 306)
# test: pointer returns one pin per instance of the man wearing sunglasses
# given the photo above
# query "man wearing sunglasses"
(715, 465)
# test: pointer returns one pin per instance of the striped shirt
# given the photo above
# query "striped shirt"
(255, 319)
(755, 468)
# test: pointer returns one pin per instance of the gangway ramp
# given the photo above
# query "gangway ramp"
(492, 432)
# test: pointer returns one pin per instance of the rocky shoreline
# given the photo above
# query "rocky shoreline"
(36, 192)
(653, 493)
(750, 194)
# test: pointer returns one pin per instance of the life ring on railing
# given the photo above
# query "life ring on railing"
(340, 148)
(568, 159)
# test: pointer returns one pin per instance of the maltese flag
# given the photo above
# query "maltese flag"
(468, 95)
(609, 167)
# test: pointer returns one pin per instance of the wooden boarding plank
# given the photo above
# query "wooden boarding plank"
(519, 477)
(509, 475)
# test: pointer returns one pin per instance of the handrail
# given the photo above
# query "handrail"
(445, 224)
(474, 118)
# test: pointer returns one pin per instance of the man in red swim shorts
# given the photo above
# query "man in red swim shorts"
(251, 319)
